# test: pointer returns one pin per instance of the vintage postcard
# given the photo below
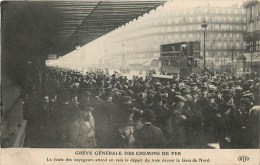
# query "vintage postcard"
(130, 82)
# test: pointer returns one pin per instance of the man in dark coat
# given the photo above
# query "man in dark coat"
(159, 111)
(107, 119)
(240, 132)
(224, 125)
(196, 121)
(209, 113)
(149, 136)
(176, 128)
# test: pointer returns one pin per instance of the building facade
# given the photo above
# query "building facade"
(138, 43)
(252, 35)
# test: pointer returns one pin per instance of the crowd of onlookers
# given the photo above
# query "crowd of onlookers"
(95, 109)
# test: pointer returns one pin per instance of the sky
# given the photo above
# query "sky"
(92, 52)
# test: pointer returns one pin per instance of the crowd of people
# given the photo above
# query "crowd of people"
(98, 110)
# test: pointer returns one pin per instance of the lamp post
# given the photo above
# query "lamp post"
(204, 25)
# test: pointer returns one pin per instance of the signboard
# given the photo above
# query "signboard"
(187, 48)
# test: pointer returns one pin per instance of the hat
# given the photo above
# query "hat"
(246, 86)
(107, 96)
(193, 84)
(157, 98)
(85, 94)
(249, 96)
(176, 93)
(204, 85)
(141, 95)
(238, 88)
(225, 91)
(225, 106)
(149, 114)
(185, 91)
(127, 99)
(180, 98)
(217, 91)
(193, 92)
(245, 100)
(151, 92)
(211, 95)
(212, 88)
(130, 92)
(122, 92)
(227, 96)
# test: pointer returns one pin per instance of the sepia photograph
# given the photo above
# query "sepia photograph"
(129, 74)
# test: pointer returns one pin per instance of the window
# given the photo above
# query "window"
(165, 63)
(184, 19)
(190, 19)
(237, 45)
(257, 45)
(225, 45)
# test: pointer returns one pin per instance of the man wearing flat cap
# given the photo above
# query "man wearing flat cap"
(149, 136)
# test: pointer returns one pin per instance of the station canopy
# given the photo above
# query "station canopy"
(65, 24)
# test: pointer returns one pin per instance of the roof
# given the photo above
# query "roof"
(61, 25)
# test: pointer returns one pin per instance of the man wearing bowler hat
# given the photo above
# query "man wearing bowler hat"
(109, 115)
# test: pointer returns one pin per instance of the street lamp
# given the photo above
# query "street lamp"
(204, 25)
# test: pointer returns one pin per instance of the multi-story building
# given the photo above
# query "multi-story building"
(140, 42)
(252, 35)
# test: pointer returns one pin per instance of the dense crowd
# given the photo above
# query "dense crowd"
(95, 109)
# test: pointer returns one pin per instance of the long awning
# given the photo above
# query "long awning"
(58, 26)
